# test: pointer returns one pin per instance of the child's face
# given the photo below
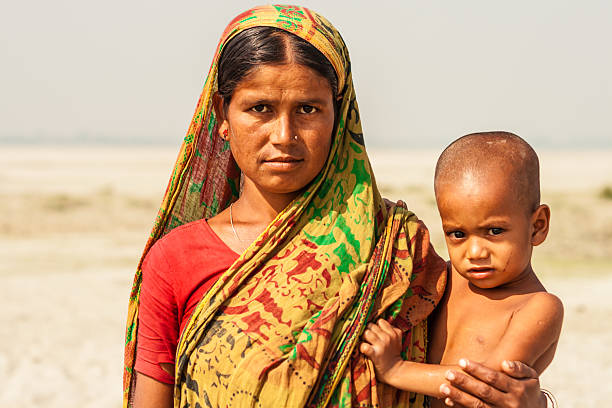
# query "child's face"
(489, 233)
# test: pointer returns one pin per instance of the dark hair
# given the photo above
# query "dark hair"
(267, 45)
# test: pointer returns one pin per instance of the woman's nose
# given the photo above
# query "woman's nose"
(477, 249)
(284, 132)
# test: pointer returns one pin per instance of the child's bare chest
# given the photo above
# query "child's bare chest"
(470, 338)
(467, 326)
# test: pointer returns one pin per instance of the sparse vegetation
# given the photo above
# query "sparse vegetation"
(606, 193)
(106, 191)
(63, 202)
(140, 202)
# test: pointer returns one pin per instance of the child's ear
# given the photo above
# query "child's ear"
(540, 222)
(221, 115)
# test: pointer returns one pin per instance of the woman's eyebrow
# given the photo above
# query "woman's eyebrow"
(312, 101)
(257, 100)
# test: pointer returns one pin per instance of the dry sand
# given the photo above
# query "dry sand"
(75, 221)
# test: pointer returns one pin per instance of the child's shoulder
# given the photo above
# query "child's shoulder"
(542, 303)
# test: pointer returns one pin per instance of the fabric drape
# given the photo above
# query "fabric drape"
(282, 326)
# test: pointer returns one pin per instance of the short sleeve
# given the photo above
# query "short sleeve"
(158, 326)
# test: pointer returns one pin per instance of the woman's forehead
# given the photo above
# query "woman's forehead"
(282, 78)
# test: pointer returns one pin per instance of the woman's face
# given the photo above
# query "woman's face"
(279, 124)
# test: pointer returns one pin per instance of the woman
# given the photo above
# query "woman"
(320, 254)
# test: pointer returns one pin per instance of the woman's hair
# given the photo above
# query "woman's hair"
(267, 45)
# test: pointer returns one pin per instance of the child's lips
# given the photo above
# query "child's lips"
(480, 272)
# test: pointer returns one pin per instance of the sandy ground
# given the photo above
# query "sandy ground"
(75, 221)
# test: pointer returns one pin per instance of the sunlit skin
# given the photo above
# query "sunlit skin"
(279, 125)
(494, 309)
(489, 233)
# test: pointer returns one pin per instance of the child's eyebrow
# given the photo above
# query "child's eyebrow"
(495, 221)
(450, 225)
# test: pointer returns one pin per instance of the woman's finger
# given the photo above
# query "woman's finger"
(487, 375)
(457, 398)
(518, 369)
(497, 388)
(470, 390)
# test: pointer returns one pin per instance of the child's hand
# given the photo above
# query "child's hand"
(383, 345)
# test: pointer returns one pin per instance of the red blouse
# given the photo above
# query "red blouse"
(176, 273)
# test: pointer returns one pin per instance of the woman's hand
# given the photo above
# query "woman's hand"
(481, 387)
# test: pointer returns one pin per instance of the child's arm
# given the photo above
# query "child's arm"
(383, 344)
(532, 335)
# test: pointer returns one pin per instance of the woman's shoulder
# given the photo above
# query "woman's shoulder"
(189, 240)
(184, 232)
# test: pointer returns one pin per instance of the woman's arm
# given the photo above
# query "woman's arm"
(150, 393)
(478, 386)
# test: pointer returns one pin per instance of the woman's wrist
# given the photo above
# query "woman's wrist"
(549, 400)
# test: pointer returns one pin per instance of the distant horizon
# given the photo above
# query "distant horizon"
(86, 139)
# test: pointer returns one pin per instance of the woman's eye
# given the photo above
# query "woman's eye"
(260, 108)
(307, 109)
(495, 231)
(456, 234)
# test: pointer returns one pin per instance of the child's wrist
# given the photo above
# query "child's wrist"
(392, 376)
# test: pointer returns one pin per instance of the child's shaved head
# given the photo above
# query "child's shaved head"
(492, 155)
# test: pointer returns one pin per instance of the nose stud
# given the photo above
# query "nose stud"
(295, 137)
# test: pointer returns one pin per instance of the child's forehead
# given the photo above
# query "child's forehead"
(481, 195)
(474, 180)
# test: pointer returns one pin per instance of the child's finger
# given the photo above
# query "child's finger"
(367, 349)
(386, 326)
(370, 336)
(376, 330)
(392, 332)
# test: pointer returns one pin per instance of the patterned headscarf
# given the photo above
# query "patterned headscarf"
(282, 324)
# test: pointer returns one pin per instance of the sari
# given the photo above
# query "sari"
(282, 325)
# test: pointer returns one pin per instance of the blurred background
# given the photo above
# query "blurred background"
(96, 98)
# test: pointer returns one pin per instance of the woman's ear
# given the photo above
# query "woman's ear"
(221, 115)
(540, 222)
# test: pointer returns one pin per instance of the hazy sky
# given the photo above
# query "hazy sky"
(425, 72)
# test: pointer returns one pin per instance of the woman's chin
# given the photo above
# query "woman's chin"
(284, 184)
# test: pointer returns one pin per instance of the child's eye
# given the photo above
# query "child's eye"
(307, 109)
(261, 108)
(495, 231)
(456, 234)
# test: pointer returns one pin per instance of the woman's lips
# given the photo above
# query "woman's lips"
(283, 163)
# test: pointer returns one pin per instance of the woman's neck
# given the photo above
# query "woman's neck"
(257, 207)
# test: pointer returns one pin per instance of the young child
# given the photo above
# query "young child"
(488, 194)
